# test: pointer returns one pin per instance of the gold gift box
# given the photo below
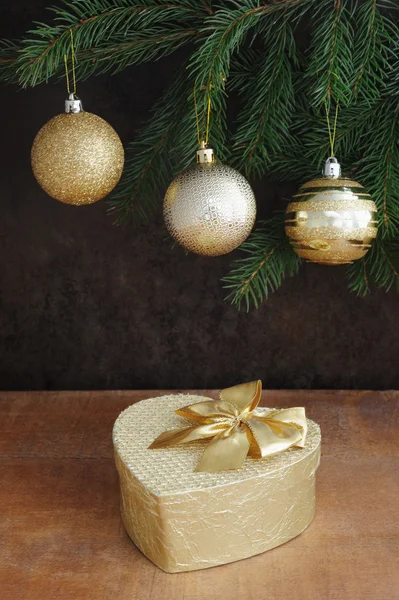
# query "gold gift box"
(184, 520)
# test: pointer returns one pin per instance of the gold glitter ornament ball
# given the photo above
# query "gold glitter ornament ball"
(332, 220)
(77, 158)
(209, 208)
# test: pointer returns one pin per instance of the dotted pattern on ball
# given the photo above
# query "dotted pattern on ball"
(210, 209)
(172, 470)
(77, 158)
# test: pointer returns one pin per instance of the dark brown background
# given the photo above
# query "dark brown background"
(86, 305)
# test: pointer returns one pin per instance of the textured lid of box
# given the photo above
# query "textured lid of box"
(171, 470)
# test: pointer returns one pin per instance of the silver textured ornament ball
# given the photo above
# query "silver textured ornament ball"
(77, 157)
(332, 220)
(209, 208)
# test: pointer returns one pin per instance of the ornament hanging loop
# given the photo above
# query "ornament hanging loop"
(332, 168)
(205, 155)
(73, 104)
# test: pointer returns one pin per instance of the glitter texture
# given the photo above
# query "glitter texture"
(324, 182)
(184, 520)
(210, 209)
(331, 221)
(77, 158)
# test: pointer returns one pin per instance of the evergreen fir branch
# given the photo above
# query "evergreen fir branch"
(226, 29)
(385, 273)
(301, 158)
(391, 82)
(359, 277)
(379, 268)
(269, 260)
(222, 35)
(378, 169)
(281, 126)
(209, 65)
(162, 148)
(108, 35)
(267, 94)
(331, 61)
(8, 52)
(371, 48)
(116, 56)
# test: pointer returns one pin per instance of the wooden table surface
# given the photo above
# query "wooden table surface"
(61, 535)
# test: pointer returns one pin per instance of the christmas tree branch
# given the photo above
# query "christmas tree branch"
(107, 35)
(269, 260)
(380, 267)
(116, 56)
(267, 94)
(164, 146)
(302, 156)
(281, 126)
(8, 53)
(330, 63)
(222, 35)
(370, 54)
(378, 169)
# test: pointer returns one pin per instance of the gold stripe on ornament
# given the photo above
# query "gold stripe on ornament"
(337, 194)
(328, 182)
(331, 251)
(331, 262)
(325, 190)
(322, 202)
(332, 233)
(327, 245)
(332, 189)
(341, 259)
(331, 254)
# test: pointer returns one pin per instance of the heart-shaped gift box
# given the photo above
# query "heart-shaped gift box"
(182, 519)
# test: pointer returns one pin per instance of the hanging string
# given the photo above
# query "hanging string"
(208, 117)
(196, 118)
(73, 60)
(332, 134)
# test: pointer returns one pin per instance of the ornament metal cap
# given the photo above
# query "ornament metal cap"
(332, 168)
(73, 104)
(205, 155)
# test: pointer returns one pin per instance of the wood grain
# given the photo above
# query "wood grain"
(61, 535)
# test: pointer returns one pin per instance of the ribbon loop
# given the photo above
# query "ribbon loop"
(208, 410)
(245, 397)
(238, 428)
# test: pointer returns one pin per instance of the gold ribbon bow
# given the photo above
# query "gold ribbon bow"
(238, 428)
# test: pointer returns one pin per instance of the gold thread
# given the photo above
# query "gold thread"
(67, 74)
(332, 135)
(208, 117)
(196, 117)
(73, 60)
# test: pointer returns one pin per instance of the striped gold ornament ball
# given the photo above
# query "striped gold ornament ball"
(77, 158)
(331, 221)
